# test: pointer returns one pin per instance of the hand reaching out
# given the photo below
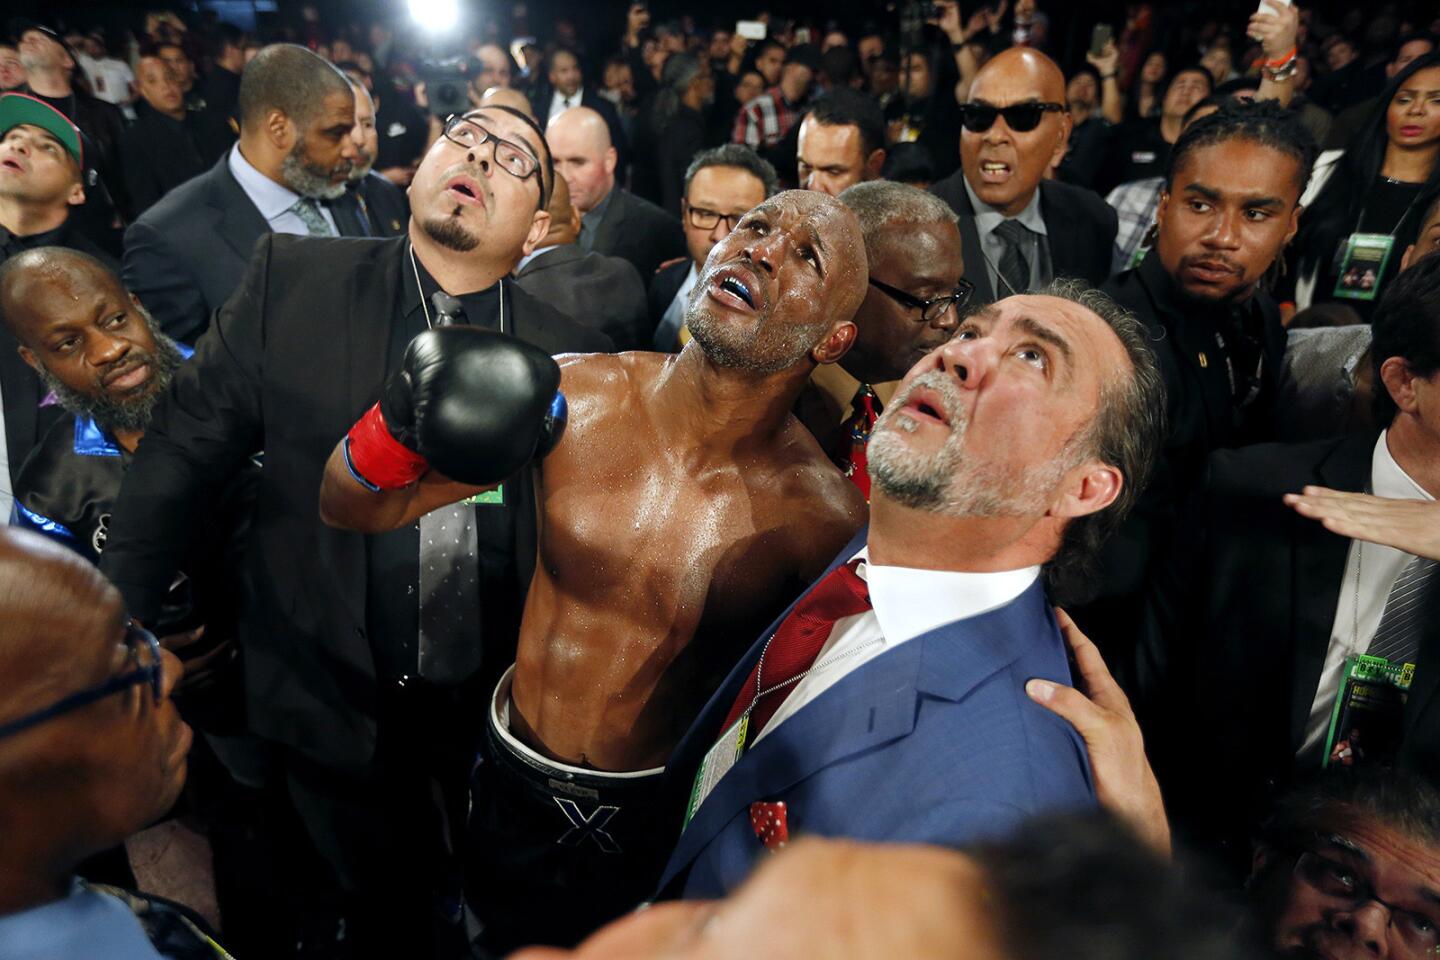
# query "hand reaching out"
(949, 20)
(1409, 525)
(1100, 712)
(1108, 60)
(1277, 28)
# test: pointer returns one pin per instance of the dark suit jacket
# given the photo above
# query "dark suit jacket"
(293, 359)
(663, 287)
(1239, 629)
(931, 742)
(598, 291)
(637, 230)
(374, 207)
(1081, 232)
(186, 255)
(159, 154)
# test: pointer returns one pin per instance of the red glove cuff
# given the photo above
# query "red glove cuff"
(375, 456)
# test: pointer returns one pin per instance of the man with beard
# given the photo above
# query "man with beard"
(681, 511)
(185, 255)
(373, 729)
(888, 703)
(1230, 204)
(371, 205)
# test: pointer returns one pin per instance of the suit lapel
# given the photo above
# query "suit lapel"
(1065, 258)
(613, 223)
(1318, 559)
(976, 270)
(240, 222)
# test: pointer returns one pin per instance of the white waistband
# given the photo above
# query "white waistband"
(500, 720)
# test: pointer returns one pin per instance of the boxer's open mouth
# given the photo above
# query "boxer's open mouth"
(739, 289)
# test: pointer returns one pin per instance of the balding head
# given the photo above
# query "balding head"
(584, 155)
(506, 97)
(1004, 165)
(297, 113)
(84, 779)
(779, 293)
(88, 339)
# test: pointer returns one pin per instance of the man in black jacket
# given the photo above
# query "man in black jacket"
(371, 205)
(1230, 206)
(184, 257)
(161, 149)
(565, 88)
(614, 221)
(1019, 230)
(1260, 608)
(369, 733)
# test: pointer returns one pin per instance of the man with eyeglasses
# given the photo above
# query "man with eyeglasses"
(916, 297)
(1347, 867)
(1020, 230)
(91, 751)
(359, 650)
(722, 184)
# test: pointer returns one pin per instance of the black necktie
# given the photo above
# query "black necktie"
(1014, 268)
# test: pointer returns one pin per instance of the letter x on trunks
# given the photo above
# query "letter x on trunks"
(592, 826)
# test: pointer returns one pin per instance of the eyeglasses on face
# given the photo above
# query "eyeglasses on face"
(702, 219)
(509, 156)
(1418, 933)
(1019, 117)
(144, 653)
(933, 309)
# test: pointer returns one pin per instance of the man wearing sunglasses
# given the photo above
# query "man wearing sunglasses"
(1020, 230)
(91, 751)
(364, 718)
(916, 297)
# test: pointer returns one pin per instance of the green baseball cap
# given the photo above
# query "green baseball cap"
(18, 108)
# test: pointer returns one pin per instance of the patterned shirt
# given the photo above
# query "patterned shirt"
(1135, 204)
(764, 121)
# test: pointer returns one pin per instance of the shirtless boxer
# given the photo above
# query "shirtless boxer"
(682, 511)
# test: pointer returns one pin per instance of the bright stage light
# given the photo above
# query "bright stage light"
(435, 16)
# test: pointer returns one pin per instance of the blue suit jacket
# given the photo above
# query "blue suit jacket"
(934, 741)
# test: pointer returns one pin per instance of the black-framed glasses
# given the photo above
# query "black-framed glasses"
(149, 669)
(933, 309)
(1019, 117)
(702, 219)
(1418, 932)
(514, 159)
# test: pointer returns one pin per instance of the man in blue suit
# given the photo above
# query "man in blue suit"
(888, 703)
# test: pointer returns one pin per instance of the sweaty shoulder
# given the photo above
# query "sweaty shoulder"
(818, 497)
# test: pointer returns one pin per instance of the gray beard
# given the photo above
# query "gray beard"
(306, 180)
(769, 351)
(947, 482)
(127, 415)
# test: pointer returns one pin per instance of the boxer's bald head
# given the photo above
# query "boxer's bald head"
(1003, 163)
(781, 290)
(584, 156)
(507, 97)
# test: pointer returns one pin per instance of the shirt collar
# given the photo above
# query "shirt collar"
(910, 602)
(987, 218)
(1389, 479)
(270, 198)
(532, 255)
(597, 212)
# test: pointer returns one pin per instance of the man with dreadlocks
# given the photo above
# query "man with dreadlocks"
(1229, 205)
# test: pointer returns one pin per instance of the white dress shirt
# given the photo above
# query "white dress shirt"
(525, 260)
(272, 199)
(1037, 252)
(559, 103)
(1370, 573)
(905, 602)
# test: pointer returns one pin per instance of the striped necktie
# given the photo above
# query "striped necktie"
(1397, 639)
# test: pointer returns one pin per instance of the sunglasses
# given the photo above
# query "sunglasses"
(1019, 117)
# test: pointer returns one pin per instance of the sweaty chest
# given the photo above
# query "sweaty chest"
(690, 548)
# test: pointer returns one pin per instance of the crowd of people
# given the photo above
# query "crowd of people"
(926, 487)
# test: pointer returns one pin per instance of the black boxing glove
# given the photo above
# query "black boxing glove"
(475, 405)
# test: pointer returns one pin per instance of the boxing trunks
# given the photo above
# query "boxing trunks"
(556, 851)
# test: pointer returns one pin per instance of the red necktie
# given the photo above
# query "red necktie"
(797, 642)
(867, 407)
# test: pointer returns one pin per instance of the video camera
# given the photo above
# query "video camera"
(447, 84)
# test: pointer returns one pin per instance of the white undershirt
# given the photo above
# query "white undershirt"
(1379, 567)
(905, 603)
